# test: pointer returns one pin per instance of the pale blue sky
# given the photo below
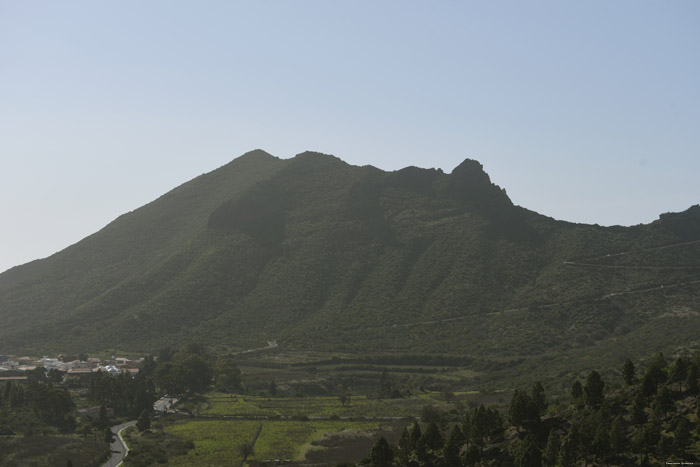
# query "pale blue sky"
(584, 111)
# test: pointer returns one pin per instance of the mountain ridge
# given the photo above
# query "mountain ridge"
(319, 254)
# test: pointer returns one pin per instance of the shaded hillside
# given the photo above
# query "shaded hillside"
(319, 254)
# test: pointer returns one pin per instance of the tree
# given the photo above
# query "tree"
(617, 435)
(568, 451)
(484, 424)
(108, 435)
(628, 372)
(198, 371)
(144, 421)
(593, 390)
(682, 437)
(656, 373)
(523, 409)
(381, 454)
(663, 402)
(246, 450)
(666, 446)
(415, 435)
(430, 413)
(405, 446)
(648, 386)
(639, 416)
(386, 384)
(601, 442)
(148, 367)
(538, 397)
(551, 450)
(228, 376)
(527, 454)
(142, 394)
(453, 446)
(171, 377)
(103, 421)
(433, 437)
(679, 372)
(652, 434)
(55, 376)
(691, 382)
(467, 428)
(576, 393)
(37, 375)
(472, 456)
(447, 394)
(272, 389)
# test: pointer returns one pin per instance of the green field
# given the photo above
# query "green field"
(318, 406)
(311, 429)
(216, 442)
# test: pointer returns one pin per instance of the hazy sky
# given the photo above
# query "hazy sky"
(584, 111)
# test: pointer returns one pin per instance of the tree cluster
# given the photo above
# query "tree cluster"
(646, 420)
(436, 442)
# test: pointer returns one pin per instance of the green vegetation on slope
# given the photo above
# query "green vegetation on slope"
(320, 255)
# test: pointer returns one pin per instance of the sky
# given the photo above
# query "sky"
(583, 111)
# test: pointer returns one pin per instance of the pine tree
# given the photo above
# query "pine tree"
(467, 428)
(144, 421)
(568, 451)
(594, 389)
(576, 393)
(679, 372)
(601, 442)
(386, 384)
(551, 451)
(628, 372)
(103, 421)
(405, 446)
(453, 446)
(538, 397)
(691, 382)
(663, 402)
(639, 416)
(682, 437)
(381, 454)
(617, 435)
(523, 409)
(433, 439)
(527, 453)
(415, 435)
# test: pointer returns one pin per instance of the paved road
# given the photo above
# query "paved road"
(164, 404)
(119, 449)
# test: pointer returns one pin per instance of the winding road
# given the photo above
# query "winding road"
(118, 446)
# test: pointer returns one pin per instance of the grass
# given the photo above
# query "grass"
(320, 427)
(51, 450)
(318, 406)
(216, 442)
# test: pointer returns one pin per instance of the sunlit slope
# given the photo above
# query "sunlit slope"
(54, 287)
(319, 254)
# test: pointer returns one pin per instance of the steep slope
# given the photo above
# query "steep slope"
(318, 254)
(128, 246)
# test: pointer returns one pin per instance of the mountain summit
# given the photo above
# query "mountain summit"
(319, 254)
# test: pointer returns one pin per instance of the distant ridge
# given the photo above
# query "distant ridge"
(319, 254)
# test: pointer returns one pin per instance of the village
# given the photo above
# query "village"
(65, 368)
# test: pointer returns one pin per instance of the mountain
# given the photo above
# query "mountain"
(321, 255)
